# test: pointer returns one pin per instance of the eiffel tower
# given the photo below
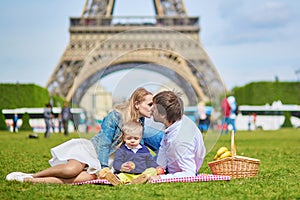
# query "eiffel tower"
(101, 43)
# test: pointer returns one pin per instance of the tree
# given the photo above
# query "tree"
(25, 123)
(287, 120)
(3, 125)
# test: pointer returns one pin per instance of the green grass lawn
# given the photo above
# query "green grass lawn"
(278, 176)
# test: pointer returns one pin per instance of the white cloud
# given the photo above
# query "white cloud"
(254, 21)
(269, 15)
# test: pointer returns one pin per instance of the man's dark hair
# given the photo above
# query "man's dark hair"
(169, 104)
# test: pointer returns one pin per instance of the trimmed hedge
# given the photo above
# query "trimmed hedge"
(25, 95)
(260, 93)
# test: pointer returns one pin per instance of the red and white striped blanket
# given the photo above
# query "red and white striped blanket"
(198, 178)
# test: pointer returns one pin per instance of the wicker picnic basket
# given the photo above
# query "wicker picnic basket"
(235, 166)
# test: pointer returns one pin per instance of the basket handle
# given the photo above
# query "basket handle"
(233, 149)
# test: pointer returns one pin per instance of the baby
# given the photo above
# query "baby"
(133, 162)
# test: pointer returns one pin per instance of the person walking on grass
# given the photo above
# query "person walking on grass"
(66, 115)
(225, 114)
(15, 122)
(233, 113)
(48, 115)
(81, 159)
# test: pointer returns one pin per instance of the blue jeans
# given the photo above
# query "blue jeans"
(232, 123)
(225, 121)
(48, 126)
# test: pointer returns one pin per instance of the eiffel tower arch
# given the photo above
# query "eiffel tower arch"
(168, 43)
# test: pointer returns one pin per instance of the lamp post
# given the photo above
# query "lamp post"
(297, 72)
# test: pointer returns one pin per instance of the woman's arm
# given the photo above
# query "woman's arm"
(107, 137)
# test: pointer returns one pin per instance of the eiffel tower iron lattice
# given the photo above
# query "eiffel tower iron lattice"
(101, 43)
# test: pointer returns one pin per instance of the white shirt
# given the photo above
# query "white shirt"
(182, 149)
(134, 149)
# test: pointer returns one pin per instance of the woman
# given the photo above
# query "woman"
(78, 159)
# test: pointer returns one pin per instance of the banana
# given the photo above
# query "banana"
(216, 157)
(221, 151)
(225, 155)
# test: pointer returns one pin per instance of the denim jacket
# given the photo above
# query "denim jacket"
(106, 141)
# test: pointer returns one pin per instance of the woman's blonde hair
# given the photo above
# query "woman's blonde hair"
(128, 110)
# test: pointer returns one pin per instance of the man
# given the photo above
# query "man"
(15, 122)
(48, 115)
(66, 116)
(182, 149)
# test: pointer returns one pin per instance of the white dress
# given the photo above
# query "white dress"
(81, 150)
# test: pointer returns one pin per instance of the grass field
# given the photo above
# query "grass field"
(278, 178)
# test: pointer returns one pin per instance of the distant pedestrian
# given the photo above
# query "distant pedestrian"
(204, 117)
(66, 116)
(225, 113)
(15, 122)
(250, 122)
(254, 120)
(48, 119)
(59, 122)
(233, 113)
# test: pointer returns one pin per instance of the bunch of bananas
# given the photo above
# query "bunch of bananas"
(222, 152)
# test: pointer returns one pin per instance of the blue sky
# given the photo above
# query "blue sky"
(246, 40)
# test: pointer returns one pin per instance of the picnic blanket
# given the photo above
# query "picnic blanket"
(198, 178)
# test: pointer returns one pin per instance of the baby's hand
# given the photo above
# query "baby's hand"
(127, 166)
